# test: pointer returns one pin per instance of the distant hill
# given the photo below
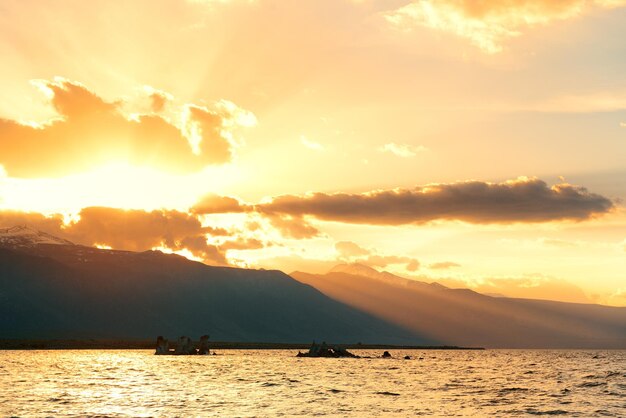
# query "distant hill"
(464, 317)
(51, 288)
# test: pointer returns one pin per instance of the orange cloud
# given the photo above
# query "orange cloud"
(411, 264)
(52, 224)
(158, 99)
(212, 203)
(487, 24)
(349, 251)
(91, 131)
(521, 200)
(132, 230)
(443, 265)
(293, 226)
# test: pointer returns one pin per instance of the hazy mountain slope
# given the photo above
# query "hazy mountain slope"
(464, 317)
(71, 291)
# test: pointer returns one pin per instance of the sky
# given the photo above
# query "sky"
(477, 144)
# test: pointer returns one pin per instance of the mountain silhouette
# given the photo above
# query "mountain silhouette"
(53, 289)
(464, 317)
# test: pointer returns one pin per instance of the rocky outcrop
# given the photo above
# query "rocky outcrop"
(184, 346)
(162, 346)
(323, 350)
(204, 345)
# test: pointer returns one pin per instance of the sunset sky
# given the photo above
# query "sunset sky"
(476, 143)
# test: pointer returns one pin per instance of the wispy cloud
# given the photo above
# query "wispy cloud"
(351, 252)
(402, 150)
(443, 265)
(310, 144)
(487, 24)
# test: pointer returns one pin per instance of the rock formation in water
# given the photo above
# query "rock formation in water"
(204, 345)
(162, 346)
(184, 346)
(324, 350)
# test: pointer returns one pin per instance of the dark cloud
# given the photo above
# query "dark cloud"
(522, 200)
(91, 131)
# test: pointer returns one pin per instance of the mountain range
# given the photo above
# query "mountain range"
(51, 288)
(465, 317)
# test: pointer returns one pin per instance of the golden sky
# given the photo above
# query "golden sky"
(478, 144)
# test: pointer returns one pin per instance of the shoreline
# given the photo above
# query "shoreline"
(112, 344)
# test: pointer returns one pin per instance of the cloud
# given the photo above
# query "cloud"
(295, 227)
(212, 203)
(243, 244)
(91, 131)
(487, 24)
(158, 99)
(310, 144)
(402, 150)
(443, 265)
(555, 242)
(138, 230)
(411, 264)
(347, 249)
(132, 230)
(619, 294)
(51, 224)
(521, 200)
(351, 252)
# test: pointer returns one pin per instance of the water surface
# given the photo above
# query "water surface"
(248, 383)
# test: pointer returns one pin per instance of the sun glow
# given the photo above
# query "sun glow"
(117, 184)
(183, 252)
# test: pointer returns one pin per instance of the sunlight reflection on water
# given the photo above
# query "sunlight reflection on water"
(276, 383)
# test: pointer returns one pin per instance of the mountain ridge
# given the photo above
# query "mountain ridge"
(467, 318)
(52, 288)
(74, 291)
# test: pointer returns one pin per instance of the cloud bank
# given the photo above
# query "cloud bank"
(521, 200)
(132, 230)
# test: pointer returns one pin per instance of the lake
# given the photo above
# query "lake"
(247, 383)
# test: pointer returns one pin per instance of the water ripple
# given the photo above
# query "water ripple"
(275, 383)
